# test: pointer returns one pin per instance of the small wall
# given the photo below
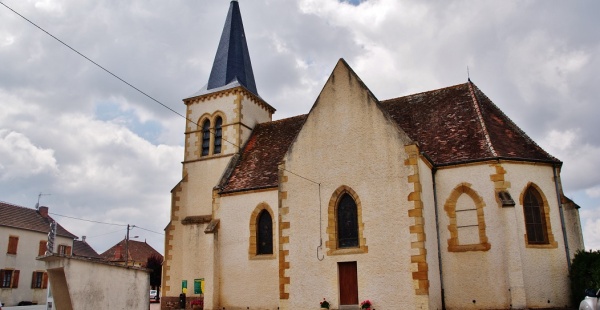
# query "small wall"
(79, 283)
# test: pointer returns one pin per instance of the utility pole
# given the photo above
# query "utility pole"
(127, 247)
(129, 227)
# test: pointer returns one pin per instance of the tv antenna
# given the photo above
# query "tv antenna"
(37, 205)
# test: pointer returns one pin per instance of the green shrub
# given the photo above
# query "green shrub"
(585, 273)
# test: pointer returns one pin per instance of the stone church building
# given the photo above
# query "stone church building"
(428, 201)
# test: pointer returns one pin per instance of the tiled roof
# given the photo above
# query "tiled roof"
(461, 124)
(138, 252)
(29, 219)
(257, 166)
(83, 249)
(452, 125)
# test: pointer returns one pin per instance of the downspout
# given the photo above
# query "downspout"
(437, 230)
(562, 215)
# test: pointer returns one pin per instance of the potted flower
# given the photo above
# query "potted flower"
(197, 304)
(324, 304)
(366, 304)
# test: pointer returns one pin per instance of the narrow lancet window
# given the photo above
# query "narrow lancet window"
(205, 137)
(264, 236)
(218, 135)
(347, 222)
(535, 218)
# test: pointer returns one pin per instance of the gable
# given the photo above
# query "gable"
(347, 118)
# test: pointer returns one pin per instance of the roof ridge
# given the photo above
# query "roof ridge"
(423, 92)
(514, 125)
(282, 119)
(477, 107)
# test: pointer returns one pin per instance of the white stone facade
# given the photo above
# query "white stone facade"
(428, 236)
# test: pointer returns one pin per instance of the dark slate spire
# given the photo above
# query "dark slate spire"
(232, 61)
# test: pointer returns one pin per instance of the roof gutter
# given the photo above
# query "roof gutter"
(498, 158)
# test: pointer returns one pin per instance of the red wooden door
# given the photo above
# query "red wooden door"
(348, 283)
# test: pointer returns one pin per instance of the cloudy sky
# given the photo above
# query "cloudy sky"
(106, 153)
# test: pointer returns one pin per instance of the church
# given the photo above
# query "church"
(434, 200)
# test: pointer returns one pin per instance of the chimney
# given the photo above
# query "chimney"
(83, 239)
(43, 212)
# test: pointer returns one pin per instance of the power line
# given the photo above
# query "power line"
(212, 131)
(88, 59)
(149, 230)
(114, 75)
(92, 221)
(108, 233)
(98, 222)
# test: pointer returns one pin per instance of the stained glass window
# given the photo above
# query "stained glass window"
(535, 218)
(264, 234)
(218, 135)
(347, 222)
(205, 137)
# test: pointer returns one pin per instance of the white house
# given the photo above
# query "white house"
(23, 237)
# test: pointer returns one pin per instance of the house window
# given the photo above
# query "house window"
(13, 242)
(347, 223)
(535, 217)
(64, 250)
(39, 279)
(10, 278)
(264, 234)
(218, 135)
(205, 138)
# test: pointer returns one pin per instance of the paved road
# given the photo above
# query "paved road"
(155, 306)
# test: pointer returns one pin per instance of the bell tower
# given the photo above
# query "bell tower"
(221, 116)
(227, 108)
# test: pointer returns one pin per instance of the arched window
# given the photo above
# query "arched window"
(466, 218)
(264, 234)
(347, 222)
(218, 135)
(205, 137)
(535, 217)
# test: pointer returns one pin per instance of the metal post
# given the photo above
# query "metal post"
(127, 247)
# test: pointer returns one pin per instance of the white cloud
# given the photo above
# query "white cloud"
(50, 5)
(19, 158)
(555, 64)
(591, 228)
(580, 159)
(593, 192)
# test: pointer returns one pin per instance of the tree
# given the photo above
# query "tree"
(585, 274)
(155, 264)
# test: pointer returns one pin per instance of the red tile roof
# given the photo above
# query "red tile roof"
(138, 252)
(452, 125)
(461, 124)
(257, 166)
(83, 249)
(29, 219)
